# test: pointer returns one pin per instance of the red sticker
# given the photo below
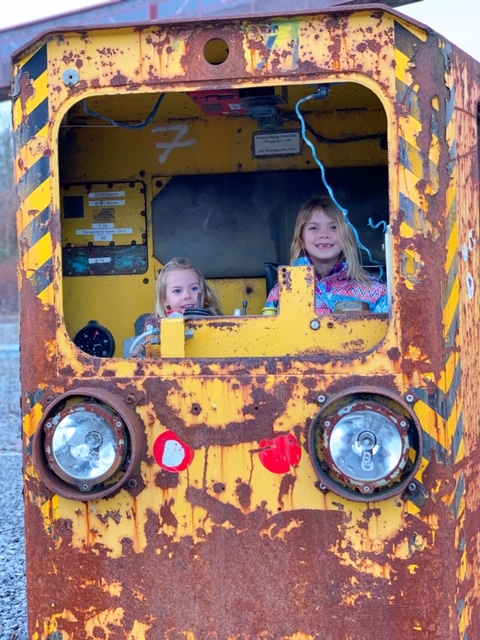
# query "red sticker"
(280, 454)
(171, 453)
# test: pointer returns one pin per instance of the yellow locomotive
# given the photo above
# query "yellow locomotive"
(281, 477)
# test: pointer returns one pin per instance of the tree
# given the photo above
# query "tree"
(8, 200)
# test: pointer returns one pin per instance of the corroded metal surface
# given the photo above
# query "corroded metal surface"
(239, 542)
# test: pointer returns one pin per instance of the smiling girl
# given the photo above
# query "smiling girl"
(324, 239)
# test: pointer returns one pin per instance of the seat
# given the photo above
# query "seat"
(271, 275)
(139, 324)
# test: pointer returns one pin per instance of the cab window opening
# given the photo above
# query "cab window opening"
(215, 176)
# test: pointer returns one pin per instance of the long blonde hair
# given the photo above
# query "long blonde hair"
(209, 298)
(350, 249)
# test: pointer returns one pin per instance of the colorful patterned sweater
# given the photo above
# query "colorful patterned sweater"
(337, 287)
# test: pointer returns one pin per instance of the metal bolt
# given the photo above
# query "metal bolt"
(315, 324)
(118, 424)
(70, 77)
(322, 486)
(49, 399)
(130, 398)
(366, 489)
(403, 424)
(409, 397)
(49, 425)
(85, 487)
(132, 483)
(321, 399)
(327, 423)
(412, 487)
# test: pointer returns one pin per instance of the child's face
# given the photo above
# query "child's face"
(321, 240)
(183, 290)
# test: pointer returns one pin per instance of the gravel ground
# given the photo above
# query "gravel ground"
(13, 607)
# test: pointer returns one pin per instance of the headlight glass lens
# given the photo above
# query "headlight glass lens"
(85, 444)
(366, 446)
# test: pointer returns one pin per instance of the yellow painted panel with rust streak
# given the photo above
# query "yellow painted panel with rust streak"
(37, 96)
(402, 68)
(38, 254)
(432, 423)
(36, 148)
(34, 204)
(450, 309)
(296, 329)
(452, 245)
(31, 420)
(408, 184)
(107, 523)
(164, 52)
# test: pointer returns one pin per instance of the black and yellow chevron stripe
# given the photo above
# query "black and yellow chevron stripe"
(33, 168)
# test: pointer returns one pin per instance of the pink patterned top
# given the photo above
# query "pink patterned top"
(337, 287)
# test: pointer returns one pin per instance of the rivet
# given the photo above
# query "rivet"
(70, 77)
(315, 324)
(409, 397)
(321, 399)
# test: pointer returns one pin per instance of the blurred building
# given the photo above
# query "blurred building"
(126, 11)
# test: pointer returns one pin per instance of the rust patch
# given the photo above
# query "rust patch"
(109, 515)
(244, 494)
(166, 479)
(286, 487)
(422, 305)
(27, 91)
(242, 581)
(167, 516)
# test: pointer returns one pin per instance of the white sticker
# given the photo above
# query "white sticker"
(106, 194)
(173, 454)
(99, 260)
(106, 203)
(106, 228)
(470, 285)
(276, 144)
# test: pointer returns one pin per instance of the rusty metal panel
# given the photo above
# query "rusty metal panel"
(223, 530)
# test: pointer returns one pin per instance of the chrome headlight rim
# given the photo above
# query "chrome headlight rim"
(330, 475)
(130, 456)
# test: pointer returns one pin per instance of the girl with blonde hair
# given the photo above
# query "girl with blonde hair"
(324, 238)
(180, 286)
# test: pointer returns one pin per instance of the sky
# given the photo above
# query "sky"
(18, 12)
(457, 20)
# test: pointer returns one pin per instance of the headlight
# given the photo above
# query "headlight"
(85, 444)
(365, 446)
(88, 445)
